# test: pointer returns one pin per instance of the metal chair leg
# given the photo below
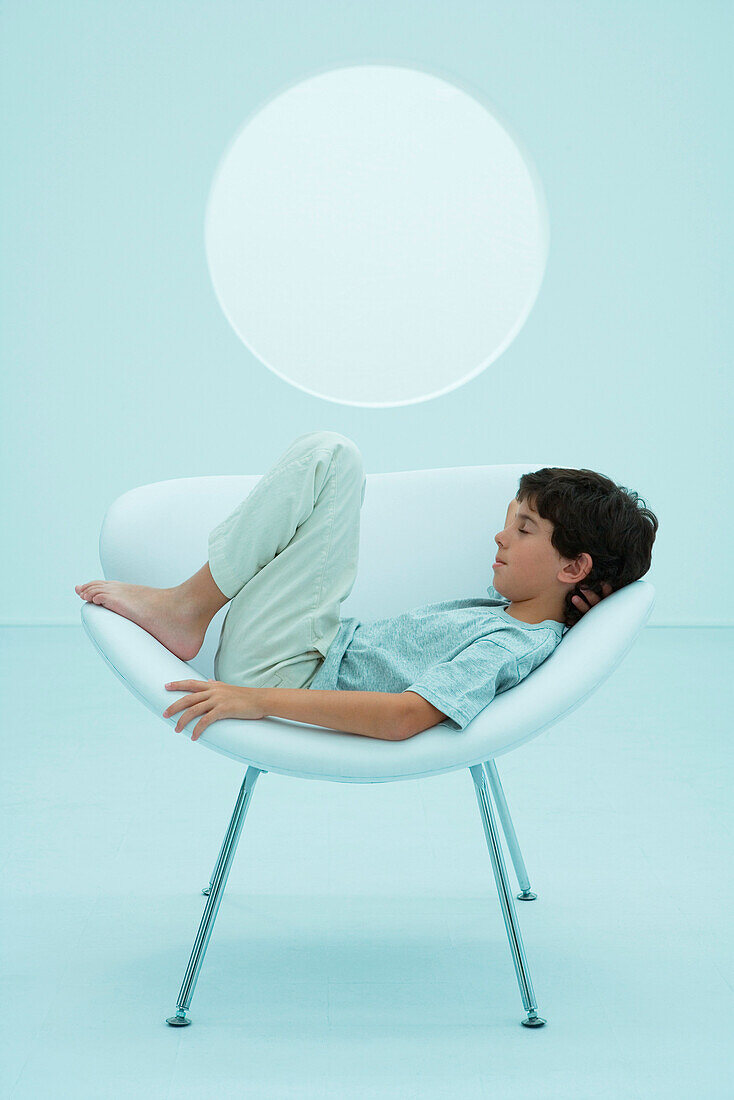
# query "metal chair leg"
(491, 834)
(217, 885)
(509, 829)
(222, 851)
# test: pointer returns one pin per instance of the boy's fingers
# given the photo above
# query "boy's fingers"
(199, 729)
(593, 597)
(180, 704)
(190, 714)
(588, 599)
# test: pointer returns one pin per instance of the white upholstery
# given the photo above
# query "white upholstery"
(426, 536)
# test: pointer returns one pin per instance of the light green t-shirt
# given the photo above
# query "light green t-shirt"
(457, 654)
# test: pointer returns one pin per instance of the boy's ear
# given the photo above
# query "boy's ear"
(579, 568)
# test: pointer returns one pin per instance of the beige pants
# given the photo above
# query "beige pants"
(287, 557)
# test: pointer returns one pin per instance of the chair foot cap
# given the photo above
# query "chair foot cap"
(526, 895)
(533, 1021)
(207, 890)
(178, 1021)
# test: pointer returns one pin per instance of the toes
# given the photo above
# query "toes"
(90, 590)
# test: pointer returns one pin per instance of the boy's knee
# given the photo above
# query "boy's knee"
(343, 450)
(334, 441)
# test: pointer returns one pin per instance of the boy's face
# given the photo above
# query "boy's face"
(531, 565)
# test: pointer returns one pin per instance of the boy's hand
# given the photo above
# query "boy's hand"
(213, 700)
(589, 599)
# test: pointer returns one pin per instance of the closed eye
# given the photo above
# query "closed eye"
(525, 532)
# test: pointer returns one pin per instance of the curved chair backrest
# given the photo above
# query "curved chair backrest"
(426, 536)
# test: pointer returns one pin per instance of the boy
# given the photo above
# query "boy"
(286, 558)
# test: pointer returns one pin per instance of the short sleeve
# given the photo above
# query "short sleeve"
(466, 684)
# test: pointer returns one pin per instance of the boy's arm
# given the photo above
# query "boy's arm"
(378, 714)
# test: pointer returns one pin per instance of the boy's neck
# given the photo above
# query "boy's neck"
(535, 611)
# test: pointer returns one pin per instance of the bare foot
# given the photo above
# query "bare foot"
(160, 611)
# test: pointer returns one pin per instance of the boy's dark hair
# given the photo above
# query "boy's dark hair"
(591, 514)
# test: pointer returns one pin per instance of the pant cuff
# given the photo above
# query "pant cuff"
(224, 578)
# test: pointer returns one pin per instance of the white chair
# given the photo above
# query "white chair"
(426, 536)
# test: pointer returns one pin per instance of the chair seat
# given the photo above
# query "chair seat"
(586, 656)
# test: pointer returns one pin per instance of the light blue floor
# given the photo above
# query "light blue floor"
(359, 950)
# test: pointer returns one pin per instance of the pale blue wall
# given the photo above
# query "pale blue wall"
(120, 369)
